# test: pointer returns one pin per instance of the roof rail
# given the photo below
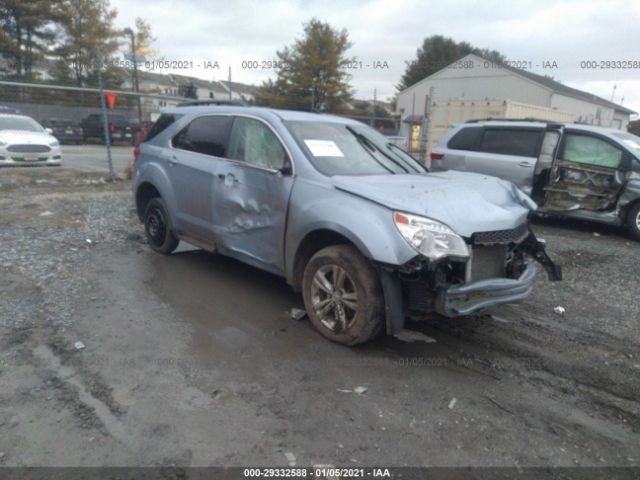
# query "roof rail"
(200, 103)
(302, 109)
(498, 119)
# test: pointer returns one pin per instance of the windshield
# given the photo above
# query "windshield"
(341, 149)
(20, 123)
(632, 142)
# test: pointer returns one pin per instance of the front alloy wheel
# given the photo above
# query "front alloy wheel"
(334, 298)
(343, 296)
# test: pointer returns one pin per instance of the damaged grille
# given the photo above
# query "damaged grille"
(501, 237)
(488, 262)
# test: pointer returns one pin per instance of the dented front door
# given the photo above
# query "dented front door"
(586, 173)
(251, 196)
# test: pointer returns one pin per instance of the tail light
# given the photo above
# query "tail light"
(436, 156)
(136, 153)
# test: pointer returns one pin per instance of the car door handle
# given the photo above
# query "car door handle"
(525, 164)
(228, 178)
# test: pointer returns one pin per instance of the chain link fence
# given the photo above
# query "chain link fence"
(77, 117)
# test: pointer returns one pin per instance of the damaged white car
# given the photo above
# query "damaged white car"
(363, 230)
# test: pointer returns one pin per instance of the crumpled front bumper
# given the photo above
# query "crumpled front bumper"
(468, 298)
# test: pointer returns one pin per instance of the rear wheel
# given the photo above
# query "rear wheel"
(157, 227)
(343, 296)
(633, 221)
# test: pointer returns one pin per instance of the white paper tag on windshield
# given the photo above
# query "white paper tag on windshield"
(323, 148)
(632, 144)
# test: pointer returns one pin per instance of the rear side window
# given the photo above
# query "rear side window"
(207, 135)
(523, 143)
(165, 121)
(465, 139)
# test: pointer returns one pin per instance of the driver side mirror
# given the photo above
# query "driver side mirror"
(287, 167)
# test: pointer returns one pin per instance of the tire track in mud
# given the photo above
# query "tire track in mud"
(533, 353)
(70, 383)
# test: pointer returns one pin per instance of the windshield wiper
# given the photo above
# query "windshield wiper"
(364, 141)
(392, 146)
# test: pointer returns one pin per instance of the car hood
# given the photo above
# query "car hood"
(26, 137)
(466, 202)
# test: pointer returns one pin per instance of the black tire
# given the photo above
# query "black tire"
(352, 326)
(158, 228)
(633, 221)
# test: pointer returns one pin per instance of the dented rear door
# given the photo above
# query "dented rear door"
(251, 195)
(586, 174)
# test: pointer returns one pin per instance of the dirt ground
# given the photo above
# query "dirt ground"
(194, 360)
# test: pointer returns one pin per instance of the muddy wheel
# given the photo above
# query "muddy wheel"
(343, 296)
(633, 221)
(157, 227)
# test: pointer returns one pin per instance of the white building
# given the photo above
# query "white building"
(184, 88)
(240, 91)
(474, 78)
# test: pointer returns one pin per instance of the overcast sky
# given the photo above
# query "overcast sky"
(539, 31)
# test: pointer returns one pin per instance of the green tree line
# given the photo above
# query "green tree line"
(66, 34)
(312, 73)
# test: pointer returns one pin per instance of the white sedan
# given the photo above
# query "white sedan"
(23, 141)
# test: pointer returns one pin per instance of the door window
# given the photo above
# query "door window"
(207, 135)
(591, 151)
(253, 142)
(545, 160)
(519, 142)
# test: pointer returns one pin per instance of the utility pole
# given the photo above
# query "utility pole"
(313, 93)
(105, 117)
(134, 59)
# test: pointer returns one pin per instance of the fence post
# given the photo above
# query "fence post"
(105, 118)
(426, 119)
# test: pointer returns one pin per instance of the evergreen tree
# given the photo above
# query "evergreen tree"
(436, 53)
(26, 31)
(312, 72)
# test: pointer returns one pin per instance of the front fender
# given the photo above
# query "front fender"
(630, 193)
(367, 225)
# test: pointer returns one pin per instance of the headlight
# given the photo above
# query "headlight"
(55, 143)
(432, 239)
(3, 144)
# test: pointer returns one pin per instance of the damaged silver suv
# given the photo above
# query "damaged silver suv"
(576, 171)
(367, 234)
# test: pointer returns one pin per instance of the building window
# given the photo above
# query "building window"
(210, 94)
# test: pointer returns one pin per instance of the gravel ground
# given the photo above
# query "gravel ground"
(193, 359)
